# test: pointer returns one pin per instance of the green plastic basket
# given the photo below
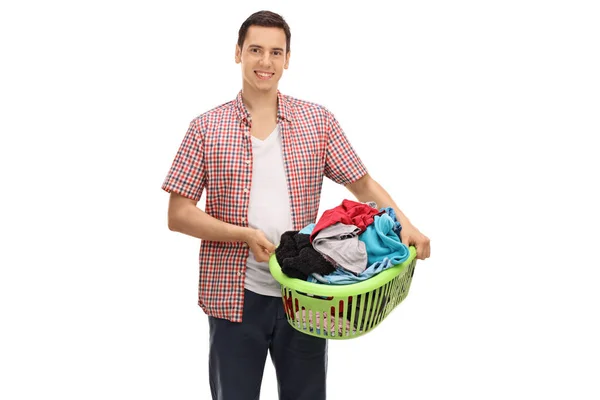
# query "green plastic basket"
(343, 311)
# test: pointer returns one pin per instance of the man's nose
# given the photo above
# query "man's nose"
(266, 59)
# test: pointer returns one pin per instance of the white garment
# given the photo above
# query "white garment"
(269, 208)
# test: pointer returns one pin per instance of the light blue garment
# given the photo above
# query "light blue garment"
(381, 241)
(384, 249)
(397, 227)
(307, 230)
(318, 278)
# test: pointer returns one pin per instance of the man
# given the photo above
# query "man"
(261, 159)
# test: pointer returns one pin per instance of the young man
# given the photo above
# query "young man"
(261, 158)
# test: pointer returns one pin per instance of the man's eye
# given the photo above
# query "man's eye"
(277, 53)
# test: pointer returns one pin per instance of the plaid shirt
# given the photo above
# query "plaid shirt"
(216, 155)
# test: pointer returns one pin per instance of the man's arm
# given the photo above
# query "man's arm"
(367, 189)
(186, 218)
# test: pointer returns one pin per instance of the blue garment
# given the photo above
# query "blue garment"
(397, 227)
(343, 277)
(307, 230)
(318, 278)
(381, 241)
(384, 249)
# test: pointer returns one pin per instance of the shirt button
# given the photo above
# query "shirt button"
(239, 273)
(248, 162)
(246, 190)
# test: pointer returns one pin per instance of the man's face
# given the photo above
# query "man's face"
(263, 57)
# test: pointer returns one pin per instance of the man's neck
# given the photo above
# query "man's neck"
(260, 102)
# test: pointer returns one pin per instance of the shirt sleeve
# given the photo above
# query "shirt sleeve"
(342, 164)
(187, 176)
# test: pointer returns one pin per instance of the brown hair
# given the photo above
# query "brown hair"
(267, 19)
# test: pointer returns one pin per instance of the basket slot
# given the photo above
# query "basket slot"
(367, 306)
(390, 304)
(376, 313)
(349, 314)
(287, 303)
(323, 325)
(373, 308)
(404, 288)
(406, 280)
(357, 311)
(397, 293)
(384, 308)
(333, 320)
(343, 324)
(306, 319)
(342, 317)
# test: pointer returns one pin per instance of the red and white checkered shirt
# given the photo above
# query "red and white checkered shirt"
(216, 155)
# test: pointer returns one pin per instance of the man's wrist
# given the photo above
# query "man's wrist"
(244, 233)
(400, 217)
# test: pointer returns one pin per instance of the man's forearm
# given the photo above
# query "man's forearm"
(192, 221)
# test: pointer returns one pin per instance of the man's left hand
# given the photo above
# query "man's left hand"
(411, 236)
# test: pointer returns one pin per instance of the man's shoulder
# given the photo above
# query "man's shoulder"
(216, 112)
(306, 107)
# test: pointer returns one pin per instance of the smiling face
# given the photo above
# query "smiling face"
(263, 57)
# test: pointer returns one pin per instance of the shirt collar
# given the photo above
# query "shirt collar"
(284, 109)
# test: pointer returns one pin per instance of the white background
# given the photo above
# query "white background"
(477, 116)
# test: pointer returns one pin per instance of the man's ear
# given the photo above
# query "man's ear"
(238, 54)
(287, 60)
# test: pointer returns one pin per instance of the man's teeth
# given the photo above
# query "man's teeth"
(263, 75)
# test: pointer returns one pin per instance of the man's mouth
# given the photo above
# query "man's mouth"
(264, 75)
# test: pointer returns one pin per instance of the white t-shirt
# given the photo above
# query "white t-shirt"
(269, 208)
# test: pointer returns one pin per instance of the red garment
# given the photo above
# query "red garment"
(349, 213)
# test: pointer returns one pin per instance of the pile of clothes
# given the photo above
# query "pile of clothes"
(349, 243)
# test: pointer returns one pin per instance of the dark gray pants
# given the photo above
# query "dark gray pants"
(238, 352)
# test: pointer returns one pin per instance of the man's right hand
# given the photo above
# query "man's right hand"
(260, 246)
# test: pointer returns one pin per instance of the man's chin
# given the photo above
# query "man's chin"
(266, 88)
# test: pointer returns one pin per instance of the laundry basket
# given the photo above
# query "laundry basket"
(343, 311)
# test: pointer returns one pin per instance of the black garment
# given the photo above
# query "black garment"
(238, 352)
(298, 259)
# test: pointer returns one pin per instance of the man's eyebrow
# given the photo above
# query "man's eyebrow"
(260, 47)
